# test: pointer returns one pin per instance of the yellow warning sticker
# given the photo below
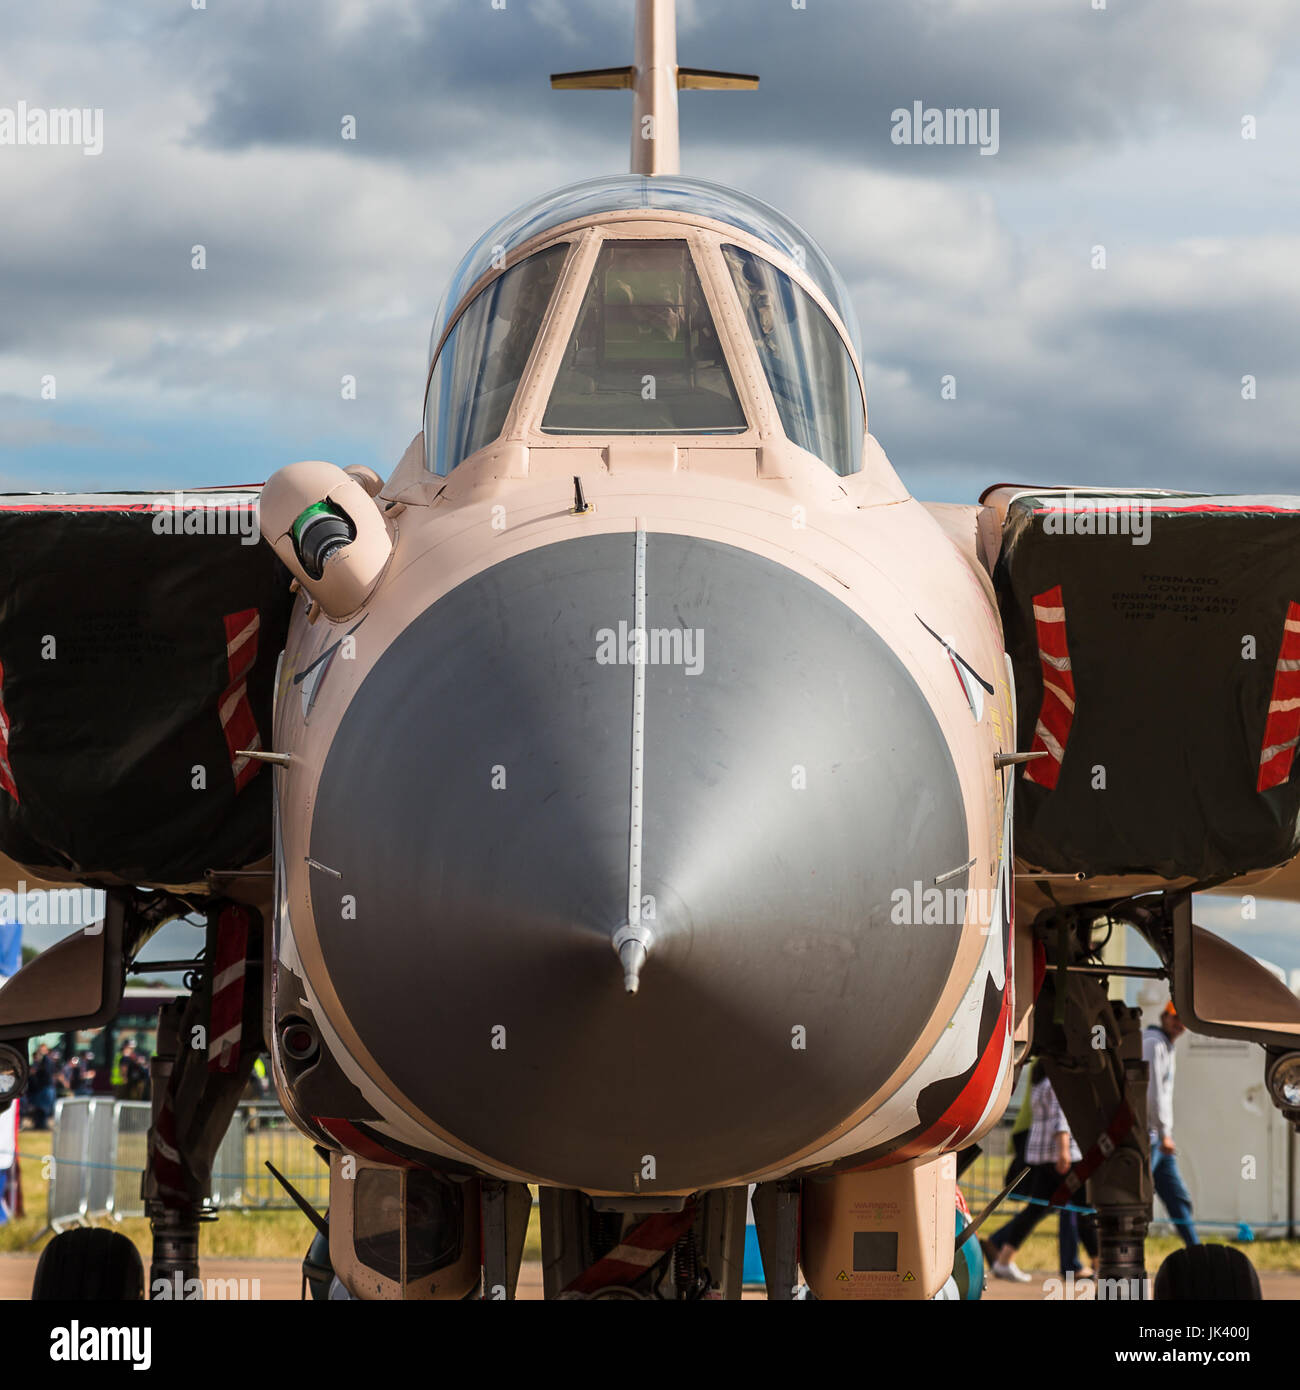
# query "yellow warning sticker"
(842, 1278)
(909, 1277)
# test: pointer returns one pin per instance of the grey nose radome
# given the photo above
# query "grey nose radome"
(623, 818)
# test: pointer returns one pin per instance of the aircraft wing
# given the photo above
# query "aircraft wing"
(1155, 641)
(139, 637)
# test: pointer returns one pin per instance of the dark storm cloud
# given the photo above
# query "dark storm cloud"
(453, 80)
(436, 83)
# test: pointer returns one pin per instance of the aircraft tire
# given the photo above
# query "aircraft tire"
(89, 1263)
(1218, 1273)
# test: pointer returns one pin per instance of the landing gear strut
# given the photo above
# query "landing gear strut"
(1092, 1047)
(207, 1044)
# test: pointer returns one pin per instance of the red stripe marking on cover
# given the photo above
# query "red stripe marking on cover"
(237, 722)
(229, 969)
(1277, 752)
(6, 772)
(1056, 713)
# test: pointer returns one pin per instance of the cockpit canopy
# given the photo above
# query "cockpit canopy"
(643, 351)
(578, 202)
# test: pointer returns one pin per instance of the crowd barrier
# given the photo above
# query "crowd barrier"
(99, 1148)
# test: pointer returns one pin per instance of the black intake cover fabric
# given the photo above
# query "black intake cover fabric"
(114, 672)
(1161, 769)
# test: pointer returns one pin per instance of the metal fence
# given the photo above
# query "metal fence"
(100, 1146)
(262, 1131)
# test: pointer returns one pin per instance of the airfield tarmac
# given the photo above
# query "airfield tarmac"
(282, 1280)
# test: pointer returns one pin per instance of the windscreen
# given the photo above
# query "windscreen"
(807, 365)
(483, 359)
(644, 357)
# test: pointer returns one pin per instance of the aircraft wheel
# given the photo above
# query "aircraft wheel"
(1216, 1272)
(89, 1263)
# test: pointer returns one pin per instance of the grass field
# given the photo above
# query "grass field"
(266, 1234)
(287, 1234)
(985, 1177)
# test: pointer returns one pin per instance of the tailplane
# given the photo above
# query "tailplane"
(655, 79)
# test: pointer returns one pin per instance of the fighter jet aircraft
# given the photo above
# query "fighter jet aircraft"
(618, 800)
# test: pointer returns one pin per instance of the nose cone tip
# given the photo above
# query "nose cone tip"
(633, 946)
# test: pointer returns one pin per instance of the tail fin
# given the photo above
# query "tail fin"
(655, 78)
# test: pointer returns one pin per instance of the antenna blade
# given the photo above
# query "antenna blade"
(706, 80)
(595, 80)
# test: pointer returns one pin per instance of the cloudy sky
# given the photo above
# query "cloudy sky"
(1119, 127)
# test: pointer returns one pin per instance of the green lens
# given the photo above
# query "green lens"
(306, 518)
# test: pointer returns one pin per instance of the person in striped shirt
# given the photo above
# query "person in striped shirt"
(1049, 1153)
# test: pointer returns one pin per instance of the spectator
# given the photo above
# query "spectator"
(1049, 1153)
(126, 1074)
(88, 1076)
(1158, 1052)
(40, 1088)
(137, 1075)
